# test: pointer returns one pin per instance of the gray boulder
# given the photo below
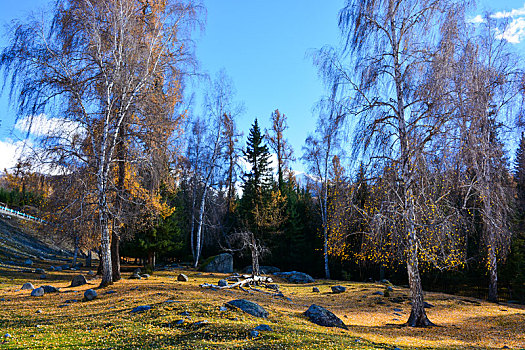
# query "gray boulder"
(295, 277)
(222, 263)
(78, 280)
(40, 271)
(249, 307)
(90, 294)
(28, 286)
(338, 289)
(50, 289)
(37, 292)
(321, 316)
(223, 283)
(316, 290)
(182, 278)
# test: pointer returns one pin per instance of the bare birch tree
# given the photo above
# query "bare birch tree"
(319, 151)
(96, 61)
(487, 95)
(379, 76)
(212, 141)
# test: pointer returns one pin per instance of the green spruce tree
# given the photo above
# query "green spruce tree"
(258, 181)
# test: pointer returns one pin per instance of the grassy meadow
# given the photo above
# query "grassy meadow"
(185, 316)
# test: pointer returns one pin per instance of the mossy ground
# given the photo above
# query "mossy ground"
(107, 323)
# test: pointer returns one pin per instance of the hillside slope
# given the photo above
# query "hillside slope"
(21, 240)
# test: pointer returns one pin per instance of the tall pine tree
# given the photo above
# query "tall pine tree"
(257, 182)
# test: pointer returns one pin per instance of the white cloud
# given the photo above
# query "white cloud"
(510, 14)
(514, 32)
(476, 20)
(42, 125)
(9, 153)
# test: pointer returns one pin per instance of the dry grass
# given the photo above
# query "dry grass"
(107, 322)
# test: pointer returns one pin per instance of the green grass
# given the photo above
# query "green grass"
(107, 323)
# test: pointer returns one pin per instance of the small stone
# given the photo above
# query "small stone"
(182, 278)
(28, 286)
(61, 306)
(51, 268)
(7, 335)
(145, 275)
(38, 311)
(395, 313)
(263, 328)
(28, 262)
(42, 277)
(381, 303)
(135, 277)
(37, 292)
(65, 267)
(2, 299)
(111, 292)
(223, 283)
(58, 268)
(200, 323)
(141, 308)
(184, 313)
(338, 289)
(179, 322)
(378, 293)
(90, 294)
(71, 301)
(254, 334)
(223, 308)
(40, 271)
(389, 289)
(396, 309)
(316, 290)
(91, 273)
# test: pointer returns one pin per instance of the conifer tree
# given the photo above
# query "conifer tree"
(258, 180)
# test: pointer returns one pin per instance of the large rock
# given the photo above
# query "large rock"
(222, 263)
(319, 315)
(249, 307)
(90, 294)
(78, 280)
(266, 270)
(50, 289)
(295, 277)
(28, 286)
(37, 292)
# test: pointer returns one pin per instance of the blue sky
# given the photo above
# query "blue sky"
(262, 45)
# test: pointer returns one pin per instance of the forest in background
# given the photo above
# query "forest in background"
(407, 176)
